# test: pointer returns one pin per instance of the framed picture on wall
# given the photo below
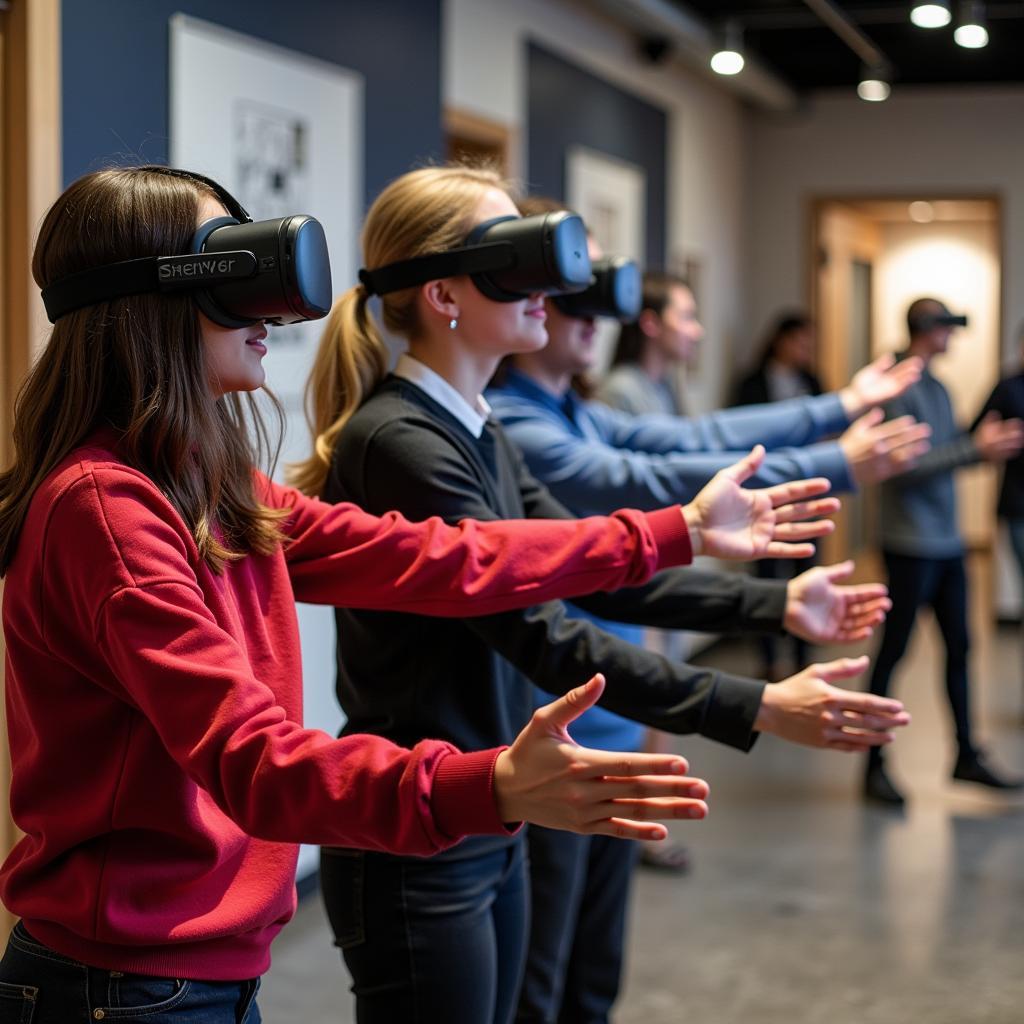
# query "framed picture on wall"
(611, 196)
(283, 132)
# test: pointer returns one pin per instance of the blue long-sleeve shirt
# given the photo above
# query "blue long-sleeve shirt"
(595, 459)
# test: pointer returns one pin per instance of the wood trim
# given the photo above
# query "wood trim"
(30, 180)
(490, 135)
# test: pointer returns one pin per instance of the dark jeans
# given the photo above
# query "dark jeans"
(580, 893)
(431, 939)
(940, 583)
(39, 986)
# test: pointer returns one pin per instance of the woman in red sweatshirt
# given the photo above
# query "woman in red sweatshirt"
(161, 774)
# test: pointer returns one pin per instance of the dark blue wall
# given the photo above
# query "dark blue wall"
(571, 107)
(115, 61)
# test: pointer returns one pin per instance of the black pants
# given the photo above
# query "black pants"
(431, 939)
(941, 584)
(579, 897)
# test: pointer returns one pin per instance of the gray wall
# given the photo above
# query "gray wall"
(115, 80)
(918, 142)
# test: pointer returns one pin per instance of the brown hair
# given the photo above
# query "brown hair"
(657, 290)
(137, 364)
(425, 211)
(782, 326)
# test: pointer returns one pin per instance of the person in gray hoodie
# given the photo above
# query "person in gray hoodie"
(923, 547)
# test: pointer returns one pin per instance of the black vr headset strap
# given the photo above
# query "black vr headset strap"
(99, 284)
(136, 277)
(150, 274)
(471, 259)
(230, 203)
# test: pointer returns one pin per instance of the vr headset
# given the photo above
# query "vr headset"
(927, 322)
(241, 271)
(616, 291)
(507, 258)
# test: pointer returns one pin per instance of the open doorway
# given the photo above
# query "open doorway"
(871, 258)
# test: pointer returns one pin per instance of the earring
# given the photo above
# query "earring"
(453, 323)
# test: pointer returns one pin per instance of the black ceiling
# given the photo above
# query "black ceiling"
(787, 37)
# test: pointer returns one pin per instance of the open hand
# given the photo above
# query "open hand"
(821, 611)
(545, 777)
(997, 439)
(731, 521)
(879, 382)
(808, 709)
(876, 451)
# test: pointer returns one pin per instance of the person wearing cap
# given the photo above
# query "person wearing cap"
(923, 547)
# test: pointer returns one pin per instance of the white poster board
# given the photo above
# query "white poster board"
(283, 132)
(611, 196)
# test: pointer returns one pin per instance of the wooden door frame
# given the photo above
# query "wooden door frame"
(817, 203)
(30, 179)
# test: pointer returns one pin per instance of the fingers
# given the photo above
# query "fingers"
(870, 704)
(747, 466)
(842, 668)
(803, 531)
(797, 490)
(808, 510)
(568, 708)
(838, 571)
(902, 425)
(628, 821)
(870, 419)
(600, 763)
(645, 787)
(865, 722)
(654, 809)
(863, 593)
(840, 739)
(854, 613)
(621, 828)
(777, 549)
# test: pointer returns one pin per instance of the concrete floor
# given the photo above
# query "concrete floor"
(804, 905)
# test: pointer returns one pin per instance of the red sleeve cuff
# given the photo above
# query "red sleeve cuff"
(462, 797)
(671, 535)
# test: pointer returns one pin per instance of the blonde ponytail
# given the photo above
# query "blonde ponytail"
(351, 361)
(425, 211)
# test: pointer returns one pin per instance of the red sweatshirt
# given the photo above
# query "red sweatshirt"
(161, 773)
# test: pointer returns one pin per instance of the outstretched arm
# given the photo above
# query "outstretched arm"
(591, 475)
(546, 778)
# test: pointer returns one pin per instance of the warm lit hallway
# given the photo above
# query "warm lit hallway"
(804, 907)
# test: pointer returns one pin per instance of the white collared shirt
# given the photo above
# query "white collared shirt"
(472, 417)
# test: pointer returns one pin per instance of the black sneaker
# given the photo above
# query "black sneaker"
(973, 767)
(879, 789)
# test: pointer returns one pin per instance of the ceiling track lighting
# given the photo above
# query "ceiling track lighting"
(728, 60)
(874, 85)
(931, 15)
(971, 32)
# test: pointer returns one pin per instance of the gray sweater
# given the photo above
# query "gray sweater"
(919, 515)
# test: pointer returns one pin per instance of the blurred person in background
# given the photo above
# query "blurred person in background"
(924, 549)
(783, 371)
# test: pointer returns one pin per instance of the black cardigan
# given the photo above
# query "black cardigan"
(408, 677)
